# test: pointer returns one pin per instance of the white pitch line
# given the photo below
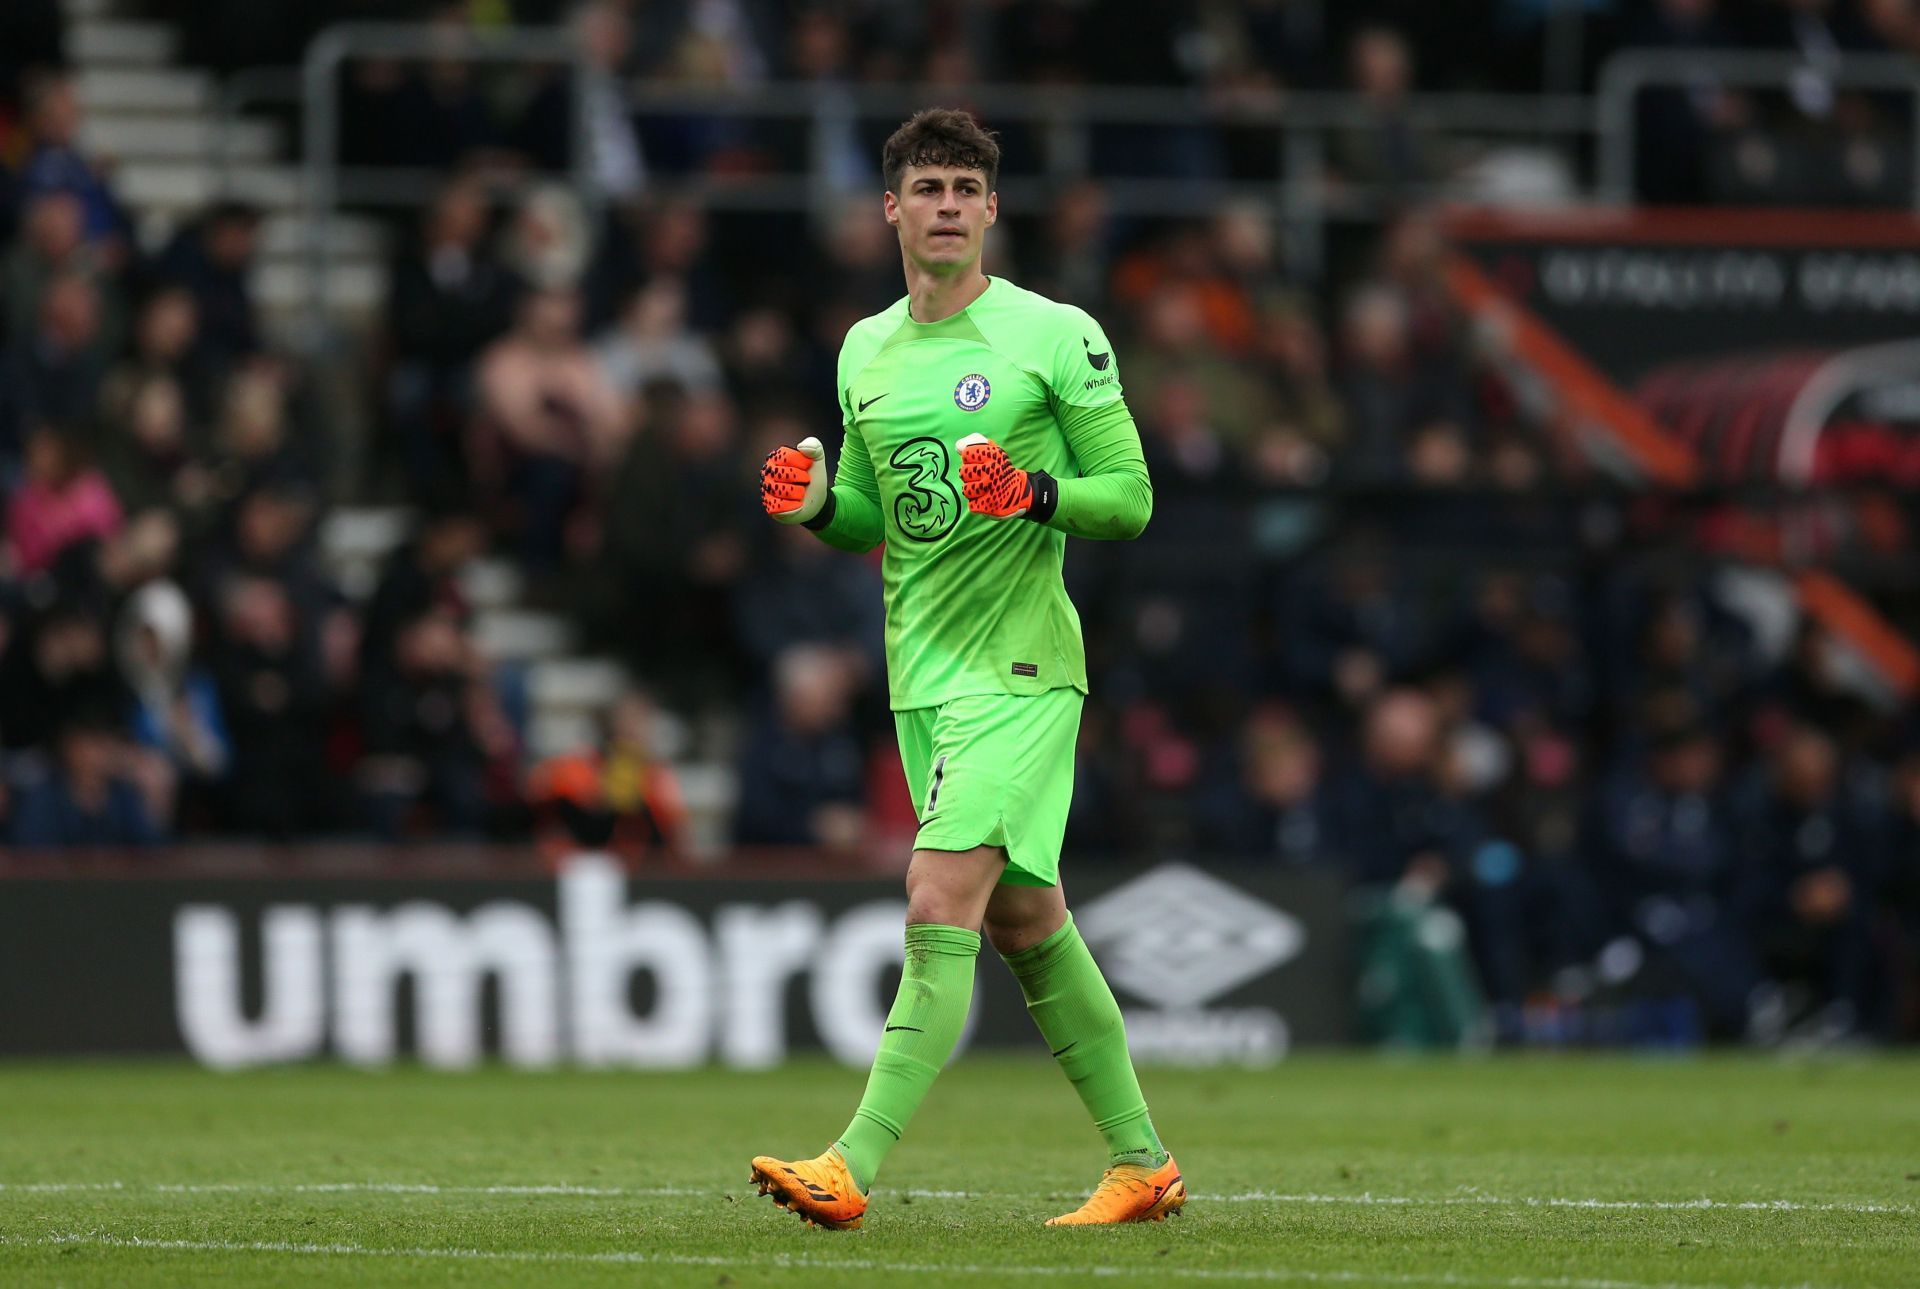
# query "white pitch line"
(1365, 1199)
(791, 1262)
(348, 1188)
(1702, 1204)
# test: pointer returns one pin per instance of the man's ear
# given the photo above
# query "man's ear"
(993, 207)
(890, 206)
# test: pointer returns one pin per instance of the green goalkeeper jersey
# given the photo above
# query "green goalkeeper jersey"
(976, 605)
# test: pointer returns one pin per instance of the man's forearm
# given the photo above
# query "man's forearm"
(1105, 507)
(849, 521)
(1113, 497)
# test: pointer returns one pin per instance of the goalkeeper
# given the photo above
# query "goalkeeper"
(984, 425)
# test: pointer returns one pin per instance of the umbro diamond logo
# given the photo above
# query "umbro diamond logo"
(1097, 361)
(871, 401)
(1178, 937)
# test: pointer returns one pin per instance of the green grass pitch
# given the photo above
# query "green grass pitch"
(1563, 1173)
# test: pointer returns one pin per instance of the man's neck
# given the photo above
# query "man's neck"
(933, 297)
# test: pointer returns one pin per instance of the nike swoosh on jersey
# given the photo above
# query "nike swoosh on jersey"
(870, 402)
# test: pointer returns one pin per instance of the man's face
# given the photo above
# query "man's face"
(943, 213)
(56, 117)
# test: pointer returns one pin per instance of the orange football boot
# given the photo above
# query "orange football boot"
(820, 1191)
(1130, 1193)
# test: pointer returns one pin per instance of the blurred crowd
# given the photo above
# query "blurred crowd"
(1703, 135)
(1377, 624)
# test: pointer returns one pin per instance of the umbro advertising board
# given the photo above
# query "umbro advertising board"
(592, 967)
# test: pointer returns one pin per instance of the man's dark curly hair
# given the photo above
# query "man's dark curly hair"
(940, 136)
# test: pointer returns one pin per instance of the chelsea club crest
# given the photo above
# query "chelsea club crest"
(972, 393)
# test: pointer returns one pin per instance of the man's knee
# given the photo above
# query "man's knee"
(1009, 937)
(952, 887)
(1020, 917)
(942, 907)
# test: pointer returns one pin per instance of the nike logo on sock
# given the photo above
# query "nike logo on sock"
(871, 401)
(1068, 1048)
(909, 1028)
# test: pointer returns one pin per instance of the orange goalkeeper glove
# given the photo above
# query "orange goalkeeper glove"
(999, 489)
(793, 482)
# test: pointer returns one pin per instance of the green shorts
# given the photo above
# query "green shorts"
(994, 770)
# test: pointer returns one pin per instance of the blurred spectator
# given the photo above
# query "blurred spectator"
(276, 700)
(1216, 273)
(63, 499)
(176, 710)
(1808, 860)
(652, 343)
(150, 457)
(87, 797)
(1270, 804)
(1309, 426)
(1175, 348)
(1687, 664)
(1387, 821)
(622, 797)
(1073, 256)
(819, 52)
(53, 244)
(547, 131)
(427, 730)
(1812, 686)
(451, 298)
(551, 418)
(1662, 854)
(1247, 278)
(1184, 448)
(165, 344)
(1900, 891)
(30, 36)
(1674, 123)
(254, 444)
(1393, 391)
(641, 788)
(801, 760)
(1525, 658)
(863, 258)
(675, 240)
(53, 372)
(1386, 151)
(422, 574)
(55, 666)
(547, 243)
(771, 368)
(799, 591)
(1352, 627)
(370, 104)
(1821, 32)
(55, 163)
(676, 541)
(267, 535)
(440, 117)
(212, 259)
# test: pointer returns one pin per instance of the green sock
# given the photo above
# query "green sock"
(936, 988)
(1070, 1001)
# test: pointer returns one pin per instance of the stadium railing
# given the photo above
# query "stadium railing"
(1065, 117)
(1625, 75)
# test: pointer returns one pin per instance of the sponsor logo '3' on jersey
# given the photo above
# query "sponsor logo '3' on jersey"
(929, 505)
